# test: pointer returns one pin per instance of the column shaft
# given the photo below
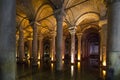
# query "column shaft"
(73, 48)
(21, 45)
(59, 37)
(30, 49)
(63, 53)
(40, 53)
(34, 48)
(113, 46)
(52, 48)
(7, 40)
(79, 47)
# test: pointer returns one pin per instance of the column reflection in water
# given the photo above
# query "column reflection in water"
(103, 74)
(52, 67)
(38, 64)
(78, 65)
(29, 63)
(63, 62)
(72, 70)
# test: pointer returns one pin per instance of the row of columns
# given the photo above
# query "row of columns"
(7, 45)
(39, 54)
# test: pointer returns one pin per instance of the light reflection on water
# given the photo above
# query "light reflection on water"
(78, 65)
(77, 71)
(104, 74)
(52, 66)
(38, 64)
(72, 70)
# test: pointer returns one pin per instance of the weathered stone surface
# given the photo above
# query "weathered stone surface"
(7, 40)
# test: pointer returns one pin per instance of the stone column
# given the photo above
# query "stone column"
(79, 35)
(34, 45)
(7, 40)
(40, 50)
(101, 43)
(63, 53)
(52, 46)
(113, 45)
(59, 38)
(30, 48)
(72, 32)
(21, 45)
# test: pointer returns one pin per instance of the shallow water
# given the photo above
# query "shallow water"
(46, 71)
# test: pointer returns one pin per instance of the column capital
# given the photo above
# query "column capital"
(100, 30)
(40, 36)
(79, 34)
(53, 33)
(30, 38)
(72, 30)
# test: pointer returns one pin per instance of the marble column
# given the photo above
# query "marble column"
(40, 50)
(79, 35)
(52, 46)
(72, 31)
(7, 40)
(34, 45)
(59, 38)
(113, 45)
(21, 45)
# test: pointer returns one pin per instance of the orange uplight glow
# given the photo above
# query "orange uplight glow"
(79, 57)
(28, 56)
(52, 57)
(39, 56)
(72, 58)
(104, 63)
(62, 56)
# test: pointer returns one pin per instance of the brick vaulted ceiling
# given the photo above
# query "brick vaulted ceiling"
(77, 13)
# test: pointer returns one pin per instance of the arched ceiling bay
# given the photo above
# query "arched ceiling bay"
(77, 12)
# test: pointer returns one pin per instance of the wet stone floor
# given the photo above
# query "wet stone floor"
(46, 71)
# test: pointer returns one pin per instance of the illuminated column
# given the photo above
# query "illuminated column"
(30, 48)
(34, 45)
(101, 43)
(59, 38)
(63, 53)
(79, 35)
(7, 39)
(21, 45)
(40, 50)
(17, 52)
(103, 38)
(52, 46)
(113, 45)
(72, 31)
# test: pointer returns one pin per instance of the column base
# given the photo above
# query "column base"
(21, 61)
(72, 63)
